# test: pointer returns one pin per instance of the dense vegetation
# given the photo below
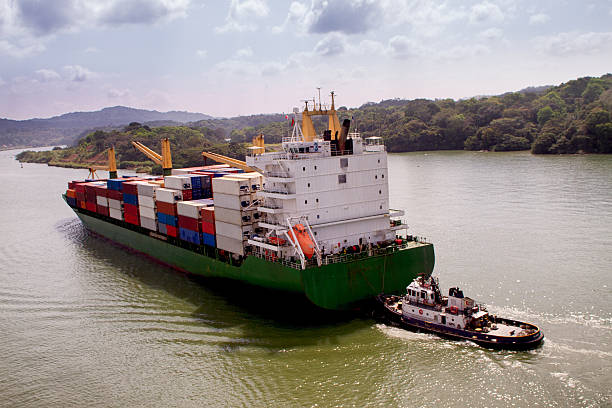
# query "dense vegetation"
(568, 118)
(186, 145)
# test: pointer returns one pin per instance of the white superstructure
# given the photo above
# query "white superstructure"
(336, 183)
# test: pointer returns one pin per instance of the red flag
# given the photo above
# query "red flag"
(292, 121)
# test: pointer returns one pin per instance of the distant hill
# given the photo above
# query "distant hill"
(67, 128)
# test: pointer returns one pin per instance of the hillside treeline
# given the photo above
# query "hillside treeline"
(186, 145)
(569, 118)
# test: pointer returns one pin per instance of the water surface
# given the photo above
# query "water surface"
(85, 323)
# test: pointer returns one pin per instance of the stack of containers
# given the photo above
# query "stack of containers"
(115, 197)
(130, 202)
(166, 199)
(79, 188)
(90, 196)
(189, 219)
(71, 196)
(233, 219)
(207, 214)
(102, 200)
(146, 205)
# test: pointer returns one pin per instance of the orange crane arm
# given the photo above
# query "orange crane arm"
(148, 152)
(228, 160)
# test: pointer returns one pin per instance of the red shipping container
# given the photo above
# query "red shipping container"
(208, 227)
(102, 210)
(131, 218)
(115, 195)
(79, 187)
(131, 210)
(90, 206)
(187, 195)
(172, 231)
(208, 214)
(82, 204)
(166, 208)
(101, 191)
(188, 223)
(130, 187)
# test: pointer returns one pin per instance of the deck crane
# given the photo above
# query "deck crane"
(165, 159)
(111, 168)
(258, 146)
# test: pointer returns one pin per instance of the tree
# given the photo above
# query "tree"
(544, 115)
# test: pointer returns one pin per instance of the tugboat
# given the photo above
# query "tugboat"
(455, 316)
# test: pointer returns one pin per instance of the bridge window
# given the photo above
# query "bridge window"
(341, 178)
(344, 162)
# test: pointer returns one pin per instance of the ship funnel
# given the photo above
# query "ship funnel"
(346, 124)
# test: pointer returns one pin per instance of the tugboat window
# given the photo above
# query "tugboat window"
(341, 178)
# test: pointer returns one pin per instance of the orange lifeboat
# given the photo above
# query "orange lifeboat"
(304, 240)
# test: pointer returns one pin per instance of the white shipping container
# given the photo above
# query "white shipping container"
(231, 230)
(146, 201)
(114, 213)
(148, 223)
(147, 189)
(147, 212)
(167, 195)
(103, 201)
(231, 185)
(116, 204)
(236, 217)
(230, 244)
(227, 201)
(180, 182)
(190, 208)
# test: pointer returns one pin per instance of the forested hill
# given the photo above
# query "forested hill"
(67, 128)
(186, 145)
(568, 118)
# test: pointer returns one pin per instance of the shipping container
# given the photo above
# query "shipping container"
(102, 210)
(236, 217)
(166, 208)
(116, 204)
(163, 228)
(132, 219)
(115, 195)
(147, 189)
(179, 182)
(228, 201)
(189, 223)
(130, 199)
(230, 244)
(103, 201)
(208, 227)
(70, 193)
(146, 201)
(148, 223)
(167, 195)
(114, 213)
(130, 209)
(232, 230)
(172, 231)
(167, 219)
(91, 206)
(187, 194)
(115, 184)
(146, 212)
(190, 236)
(208, 214)
(192, 208)
(208, 239)
(231, 185)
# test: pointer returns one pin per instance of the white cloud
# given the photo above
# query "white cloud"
(201, 53)
(539, 18)
(491, 34)
(486, 12)
(77, 73)
(241, 14)
(331, 45)
(47, 75)
(402, 47)
(244, 52)
(26, 25)
(575, 43)
(114, 93)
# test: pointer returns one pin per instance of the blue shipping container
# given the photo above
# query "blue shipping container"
(162, 228)
(167, 219)
(130, 199)
(115, 184)
(190, 236)
(196, 193)
(196, 182)
(71, 201)
(208, 239)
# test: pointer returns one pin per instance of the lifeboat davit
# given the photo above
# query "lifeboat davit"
(304, 240)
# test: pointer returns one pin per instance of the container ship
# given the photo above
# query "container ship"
(312, 218)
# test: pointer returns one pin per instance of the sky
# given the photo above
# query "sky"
(242, 57)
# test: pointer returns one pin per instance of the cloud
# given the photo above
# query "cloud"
(491, 34)
(402, 47)
(114, 93)
(333, 44)
(26, 25)
(47, 75)
(342, 16)
(77, 73)
(91, 50)
(201, 53)
(244, 52)
(486, 12)
(241, 14)
(539, 18)
(575, 43)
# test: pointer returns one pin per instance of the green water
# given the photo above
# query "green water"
(85, 323)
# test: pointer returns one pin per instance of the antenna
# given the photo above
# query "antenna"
(306, 102)
(319, 89)
(332, 96)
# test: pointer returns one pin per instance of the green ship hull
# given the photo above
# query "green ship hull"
(337, 286)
